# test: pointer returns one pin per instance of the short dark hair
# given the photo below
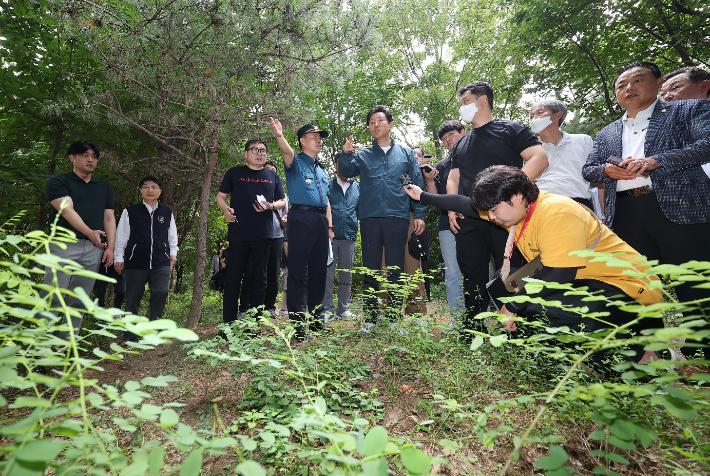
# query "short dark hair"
(80, 147)
(383, 109)
(479, 88)
(499, 183)
(254, 140)
(336, 157)
(150, 178)
(272, 163)
(693, 73)
(449, 126)
(652, 67)
(420, 148)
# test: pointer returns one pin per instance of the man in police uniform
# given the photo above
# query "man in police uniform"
(310, 225)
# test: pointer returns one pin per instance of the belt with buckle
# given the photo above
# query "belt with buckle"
(309, 208)
(635, 192)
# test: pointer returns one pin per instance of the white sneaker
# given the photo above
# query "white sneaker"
(327, 317)
(367, 327)
(347, 315)
(284, 313)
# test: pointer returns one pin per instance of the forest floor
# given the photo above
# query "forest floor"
(463, 408)
(399, 379)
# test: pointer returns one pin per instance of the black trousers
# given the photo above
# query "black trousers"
(476, 242)
(158, 280)
(558, 317)
(307, 262)
(641, 223)
(376, 233)
(237, 262)
(584, 201)
(273, 271)
(119, 287)
(245, 291)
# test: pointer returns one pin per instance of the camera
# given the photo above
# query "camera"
(406, 180)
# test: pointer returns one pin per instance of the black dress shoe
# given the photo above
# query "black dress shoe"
(300, 334)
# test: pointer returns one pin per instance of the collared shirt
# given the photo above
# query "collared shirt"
(123, 233)
(564, 174)
(307, 183)
(89, 199)
(344, 185)
(633, 139)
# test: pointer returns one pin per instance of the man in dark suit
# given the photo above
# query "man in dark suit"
(658, 198)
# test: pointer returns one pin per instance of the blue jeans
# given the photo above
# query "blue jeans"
(454, 280)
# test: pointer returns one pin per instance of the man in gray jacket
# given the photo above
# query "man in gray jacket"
(344, 198)
(384, 207)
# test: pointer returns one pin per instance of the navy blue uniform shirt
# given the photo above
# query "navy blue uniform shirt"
(307, 183)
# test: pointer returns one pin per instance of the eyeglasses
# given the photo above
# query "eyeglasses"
(257, 151)
(150, 187)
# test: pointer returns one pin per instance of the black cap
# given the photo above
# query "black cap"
(311, 128)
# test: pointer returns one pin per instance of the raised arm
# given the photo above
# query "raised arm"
(286, 149)
(347, 164)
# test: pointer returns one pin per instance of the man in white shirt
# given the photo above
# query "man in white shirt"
(566, 153)
(146, 250)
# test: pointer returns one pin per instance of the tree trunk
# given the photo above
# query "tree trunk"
(43, 218)
(198, 286)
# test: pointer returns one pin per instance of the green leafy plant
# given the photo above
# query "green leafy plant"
(47, 431)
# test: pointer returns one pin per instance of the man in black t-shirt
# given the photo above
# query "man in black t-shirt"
(490, 142)
(251, 229)
(88, 208)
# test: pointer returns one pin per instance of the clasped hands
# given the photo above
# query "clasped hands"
(630, 168)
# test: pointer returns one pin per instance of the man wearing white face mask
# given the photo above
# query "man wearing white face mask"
(490, 142)
(567, 153)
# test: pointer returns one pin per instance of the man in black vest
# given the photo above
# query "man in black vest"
(146, 246)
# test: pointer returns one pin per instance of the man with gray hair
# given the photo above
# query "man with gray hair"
(567, 153)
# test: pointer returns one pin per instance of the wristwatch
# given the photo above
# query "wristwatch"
(331, 227)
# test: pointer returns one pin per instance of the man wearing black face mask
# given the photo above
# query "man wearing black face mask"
(490, 142)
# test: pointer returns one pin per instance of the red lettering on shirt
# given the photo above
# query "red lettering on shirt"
(249, 179)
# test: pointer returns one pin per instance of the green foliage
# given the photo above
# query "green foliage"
(48, 432)
(289, 391)
(578, 47)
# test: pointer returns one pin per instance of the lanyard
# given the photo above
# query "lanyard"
(315, 172)
(527, 219)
